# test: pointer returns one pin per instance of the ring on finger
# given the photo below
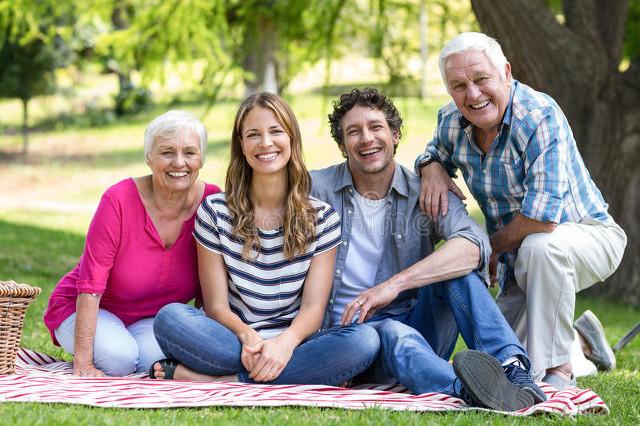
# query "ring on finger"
(360, 302)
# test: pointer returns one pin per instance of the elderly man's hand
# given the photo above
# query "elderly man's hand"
(368, 302)
(435, 184)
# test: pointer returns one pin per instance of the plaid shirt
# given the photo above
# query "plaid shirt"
(533, 167)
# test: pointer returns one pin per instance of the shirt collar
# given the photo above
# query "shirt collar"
(343, 179)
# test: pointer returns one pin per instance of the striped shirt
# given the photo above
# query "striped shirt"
(533, 167)
(264, 292)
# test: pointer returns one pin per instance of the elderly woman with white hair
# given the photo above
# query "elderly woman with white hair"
(139, 255)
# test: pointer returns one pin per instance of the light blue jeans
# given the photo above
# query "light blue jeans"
(328, 357)
(117, 350)
(416, 346)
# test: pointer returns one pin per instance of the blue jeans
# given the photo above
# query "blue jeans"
(416, 346)
(328, 357)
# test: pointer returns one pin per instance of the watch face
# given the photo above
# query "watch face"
(426, 160)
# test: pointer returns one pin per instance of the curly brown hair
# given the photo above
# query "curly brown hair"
(368, 97)
(299, 218)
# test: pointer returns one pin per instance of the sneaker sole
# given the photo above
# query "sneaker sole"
(483, 377)
(592, 331)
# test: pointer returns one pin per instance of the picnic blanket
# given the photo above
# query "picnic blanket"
(41, 378)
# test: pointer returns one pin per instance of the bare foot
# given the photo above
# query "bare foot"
(185, 373)
(563, 371)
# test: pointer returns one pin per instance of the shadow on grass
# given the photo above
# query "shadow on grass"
(109, 159)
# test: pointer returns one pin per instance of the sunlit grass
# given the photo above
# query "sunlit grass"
(47, 200)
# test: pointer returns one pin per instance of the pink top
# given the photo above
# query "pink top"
(126, 261)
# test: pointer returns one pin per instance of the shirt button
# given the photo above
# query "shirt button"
(484, 171)
(350, 190)
(338, 271)
(398, 236)
(330, 301)
(349, 211)
(344, 243)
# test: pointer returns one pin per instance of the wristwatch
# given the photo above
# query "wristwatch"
(426, 160)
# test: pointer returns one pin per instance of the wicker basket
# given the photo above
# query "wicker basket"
(14, 301)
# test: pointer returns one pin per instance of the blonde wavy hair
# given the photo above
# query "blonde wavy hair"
(299, 217)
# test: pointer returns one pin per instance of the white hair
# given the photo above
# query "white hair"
(474, 41)
(173, 124)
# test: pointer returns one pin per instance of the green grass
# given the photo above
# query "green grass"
(45, 208)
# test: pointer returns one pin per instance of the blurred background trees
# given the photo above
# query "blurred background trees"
(255, 44)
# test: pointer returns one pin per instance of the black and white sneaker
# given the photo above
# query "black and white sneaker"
(521, 377)
(486, 385)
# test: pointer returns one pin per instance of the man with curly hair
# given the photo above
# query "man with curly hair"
(390, 274)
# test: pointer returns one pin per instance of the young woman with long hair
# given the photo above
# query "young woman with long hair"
(266, 256)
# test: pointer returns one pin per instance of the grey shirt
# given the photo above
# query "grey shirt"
(410, 235)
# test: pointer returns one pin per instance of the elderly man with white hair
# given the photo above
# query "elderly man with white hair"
(550, 232)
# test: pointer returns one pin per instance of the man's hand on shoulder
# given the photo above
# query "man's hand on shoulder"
(369, 302)
(435, 184)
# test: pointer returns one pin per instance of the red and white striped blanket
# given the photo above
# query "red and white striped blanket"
(41, 378)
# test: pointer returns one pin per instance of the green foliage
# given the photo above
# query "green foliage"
(632, 36)
(396, 37)
(30, 53)
(448, 18)
(27, 69)
(131, 100)
(393, 30)
(304, 32)
(32, 46)
(225, 34)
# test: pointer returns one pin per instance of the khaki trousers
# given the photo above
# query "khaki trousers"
(549, 270)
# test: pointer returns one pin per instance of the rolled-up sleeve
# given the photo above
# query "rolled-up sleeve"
(546, 179)
(441, 145)
(458, 224)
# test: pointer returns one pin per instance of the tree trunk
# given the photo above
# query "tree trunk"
(120, 21)
(577, 64)
(260, 61)
(25, 126)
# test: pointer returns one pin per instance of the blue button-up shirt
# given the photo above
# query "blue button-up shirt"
(410, 235)
(533, 167)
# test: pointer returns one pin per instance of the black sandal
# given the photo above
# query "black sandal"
(168, 365)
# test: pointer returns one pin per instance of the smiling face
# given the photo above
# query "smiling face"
(175, 162)
(265, 143)
(479, 90)
(368, 141)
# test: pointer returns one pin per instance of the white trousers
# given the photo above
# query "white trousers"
(117, 350)
(549, 270)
